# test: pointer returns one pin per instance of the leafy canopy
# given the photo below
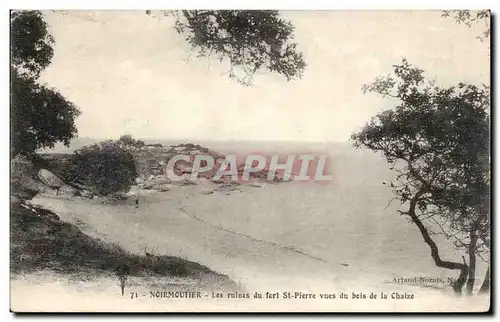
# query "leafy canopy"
(127, 141)
(250, 40)
(31, 44)
(470, 17)
(437, 141)
(40, 115)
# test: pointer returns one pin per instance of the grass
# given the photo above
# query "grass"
(39, 240)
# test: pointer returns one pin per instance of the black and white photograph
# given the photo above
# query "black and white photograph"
(250, 160)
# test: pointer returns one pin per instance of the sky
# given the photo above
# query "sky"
(130, 73)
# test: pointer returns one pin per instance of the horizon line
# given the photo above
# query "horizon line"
(212, 140)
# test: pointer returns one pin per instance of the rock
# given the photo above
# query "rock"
(86, 194)
(120, 196)
(182, 167)
(131, 193)
(146, 186)
(203, 180)
(67, 190)
(161, 187)
(49, 179)
(160, 179)
(24, 181)
(156, 172)
(46, 213)
(102, 199)
(39, 212)
(151, 177)
(24, 193)
(157, 186)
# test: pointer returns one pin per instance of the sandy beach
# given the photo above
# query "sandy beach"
(278, 244)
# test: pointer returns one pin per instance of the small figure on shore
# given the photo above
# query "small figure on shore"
(137, 202)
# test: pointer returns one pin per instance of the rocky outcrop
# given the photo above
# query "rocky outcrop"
(56, 184)
(151, 164)
(24, 182)
(152, 160)
(27, 180)
(49, 179)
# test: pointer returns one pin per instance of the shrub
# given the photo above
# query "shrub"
(106, 166)
(129, 142)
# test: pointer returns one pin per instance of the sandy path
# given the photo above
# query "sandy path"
(165, 228)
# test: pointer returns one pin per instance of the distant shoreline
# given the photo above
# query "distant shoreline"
(217, 145)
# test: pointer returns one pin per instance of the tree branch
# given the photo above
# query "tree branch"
(427, 238)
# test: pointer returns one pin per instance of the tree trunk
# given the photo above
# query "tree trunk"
(485, 287)
(472, 261)
(462, 278)
(464, 269)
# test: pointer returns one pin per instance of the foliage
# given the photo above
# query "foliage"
(437, 141)
(127, 141)
(105, 166)
(40, 115)
(251, 40)
(468, 18)
(31, 44)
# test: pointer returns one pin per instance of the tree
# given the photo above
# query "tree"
(40, 115)
(249, 40)
(128, 142)
(468, 18)
(106, 167)
(437, 141)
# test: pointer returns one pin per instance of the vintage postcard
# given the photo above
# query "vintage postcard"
(250, 161)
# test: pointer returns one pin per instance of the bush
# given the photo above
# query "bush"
(107, 167)
(129, 142)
